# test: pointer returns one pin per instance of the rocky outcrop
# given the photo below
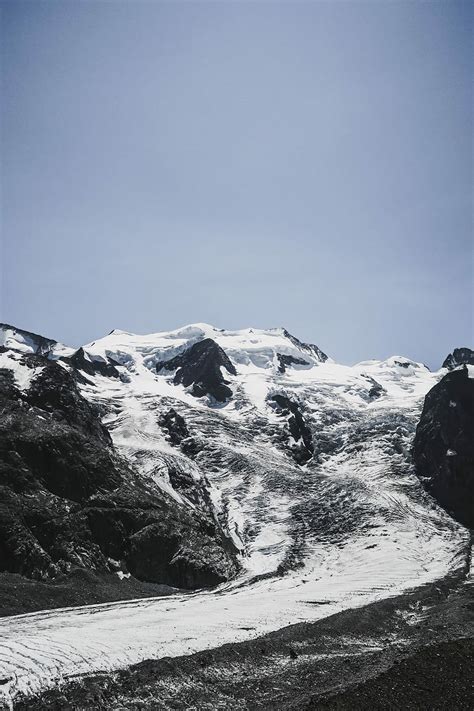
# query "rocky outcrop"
(175, 426)
(460, 356)
(310, 348)
(200, 367)
(298, 436)
(288, 360)
(375, 390)
(80, 361)
(68, 501)
(444, 445)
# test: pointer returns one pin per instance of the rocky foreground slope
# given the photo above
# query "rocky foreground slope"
(201, 457)
(70, 502)
(444, 443)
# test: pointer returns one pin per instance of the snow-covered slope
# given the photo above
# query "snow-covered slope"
(27, 342)
(245, 447)
(307, 464)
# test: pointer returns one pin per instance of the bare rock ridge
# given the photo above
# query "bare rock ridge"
(460, 356)
(315, 351)
(200, 366)
(444, 444)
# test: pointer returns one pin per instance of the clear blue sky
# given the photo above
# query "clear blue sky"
(242, 163)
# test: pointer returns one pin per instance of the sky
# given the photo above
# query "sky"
(296, 164)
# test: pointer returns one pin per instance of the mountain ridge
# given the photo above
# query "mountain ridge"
(200, 330)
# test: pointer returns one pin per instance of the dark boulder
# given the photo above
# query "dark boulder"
(444, 445)
(186, 560)
(200, 367)
(460, 356)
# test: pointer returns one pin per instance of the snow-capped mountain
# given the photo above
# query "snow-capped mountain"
(251, 444)
(300, 468)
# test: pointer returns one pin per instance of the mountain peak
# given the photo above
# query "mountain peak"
(459, 356)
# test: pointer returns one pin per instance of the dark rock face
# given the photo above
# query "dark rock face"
(187, 558)
(68, 501)
(175, 425)
(200, 366)
(460, 356)
(285, 360)
(303, 448)
(375, 390)
(402, 364)
(54, 391)
(92, 367)
(444, 445)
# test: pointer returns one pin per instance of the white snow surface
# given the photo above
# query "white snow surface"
(25, 342)
(351, 526)
(23, 373)
(15, 338)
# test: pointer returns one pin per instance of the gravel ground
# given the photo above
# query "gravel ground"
(436, 677)
(19, 595)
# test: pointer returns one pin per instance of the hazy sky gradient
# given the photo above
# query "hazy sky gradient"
(242, 163)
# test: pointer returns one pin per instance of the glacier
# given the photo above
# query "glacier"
(349, 525)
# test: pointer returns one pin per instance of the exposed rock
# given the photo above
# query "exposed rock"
(376, 390)
(188, 558)
(79, 361)
(54, 391)
(460, 356)
(315, 351)
(302, 447)
(444, 445)
(175, 426)
(285, 360)
(404, 363)
(200, 366)
(67, 500)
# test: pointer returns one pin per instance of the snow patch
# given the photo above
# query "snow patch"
(23, 374)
